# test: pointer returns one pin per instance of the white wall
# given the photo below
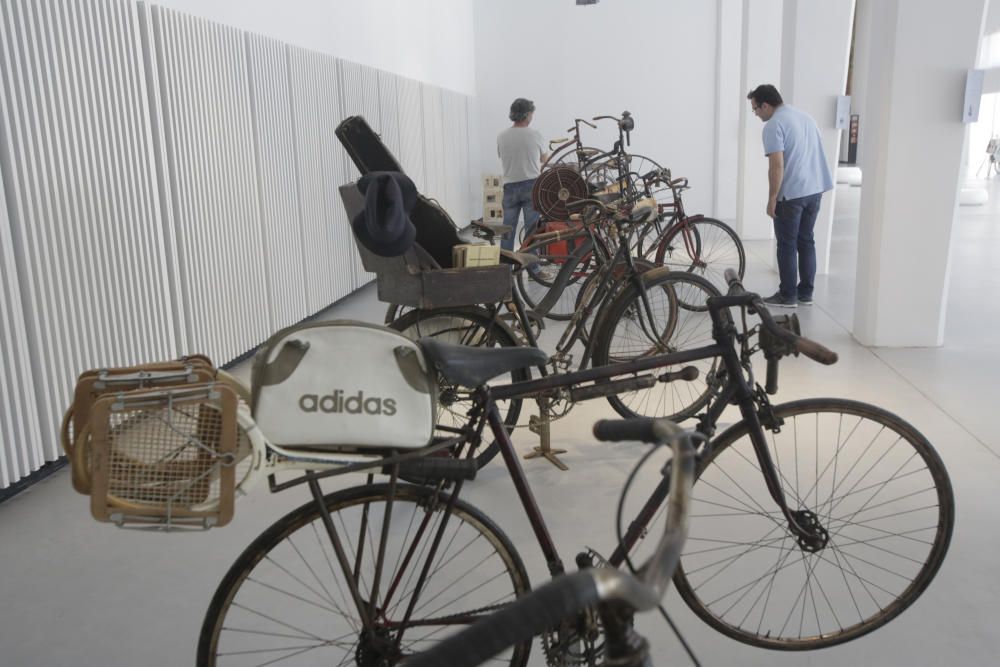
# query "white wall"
(760, 63)
(427, 40)
(653, 58)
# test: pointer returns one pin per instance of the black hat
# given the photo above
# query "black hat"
(384, 226)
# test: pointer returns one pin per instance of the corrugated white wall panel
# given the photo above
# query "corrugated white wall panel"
(20, 434)
(410, 110)
(205, 87)
(82, 216)
(455, 163)
(284, 242)
(329, 249)
(433, 120)
(170, 185)
(389, 110)
(359, 96)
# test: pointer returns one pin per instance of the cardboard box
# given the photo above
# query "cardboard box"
(475, 254)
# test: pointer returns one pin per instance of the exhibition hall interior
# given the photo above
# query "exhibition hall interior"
(537, 332)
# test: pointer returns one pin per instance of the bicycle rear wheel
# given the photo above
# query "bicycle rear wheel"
(475, 327)
(625, 334)
(705, 247)
(286, 601)
(867, 478)
(535, 287)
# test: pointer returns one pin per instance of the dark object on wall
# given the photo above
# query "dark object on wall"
(852, 139)
(436, 232)
(365, 147)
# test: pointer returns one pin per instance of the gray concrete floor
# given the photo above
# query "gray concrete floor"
(74, 592)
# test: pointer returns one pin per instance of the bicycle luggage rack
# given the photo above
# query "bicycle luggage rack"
(419, 280)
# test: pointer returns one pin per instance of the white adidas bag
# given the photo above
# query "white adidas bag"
(343, 385)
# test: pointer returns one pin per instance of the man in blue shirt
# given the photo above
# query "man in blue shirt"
(797, 175)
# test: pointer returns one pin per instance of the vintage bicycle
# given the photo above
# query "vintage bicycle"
(814, 522)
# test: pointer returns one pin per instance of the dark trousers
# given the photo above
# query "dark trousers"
(517, 198)
(794, 221)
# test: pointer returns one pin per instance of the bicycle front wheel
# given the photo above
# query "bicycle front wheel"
(286, 600)
(535, 287)
(705, 247)
(870, 485)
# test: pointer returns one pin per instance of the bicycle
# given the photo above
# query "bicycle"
(628, 310)
(438, 563)
(694, 243)
(613, 596)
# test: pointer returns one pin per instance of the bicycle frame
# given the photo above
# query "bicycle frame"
(737, 389)
(603, 292)
(485, 413)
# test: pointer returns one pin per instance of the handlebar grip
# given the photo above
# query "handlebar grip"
(771, 383)
(732, 278)
(644, 429)
(816, 351)
(437, 468)
(519, 621)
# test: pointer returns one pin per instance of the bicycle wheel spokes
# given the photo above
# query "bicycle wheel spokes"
(705, 247)
(631, 335)
(291, 604)
(881, 499)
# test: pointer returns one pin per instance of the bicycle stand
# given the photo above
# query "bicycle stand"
(540, 424)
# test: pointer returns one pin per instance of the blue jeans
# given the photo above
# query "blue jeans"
(517, 197)
(794, 221)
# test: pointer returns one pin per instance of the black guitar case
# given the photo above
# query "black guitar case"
(436, 232)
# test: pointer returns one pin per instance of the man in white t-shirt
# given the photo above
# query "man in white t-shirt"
(522, 152)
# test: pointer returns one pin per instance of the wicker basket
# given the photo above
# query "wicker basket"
(166, 457)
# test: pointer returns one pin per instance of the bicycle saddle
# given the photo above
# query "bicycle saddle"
(474, 366)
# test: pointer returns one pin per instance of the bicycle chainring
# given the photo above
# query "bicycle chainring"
(577, 642)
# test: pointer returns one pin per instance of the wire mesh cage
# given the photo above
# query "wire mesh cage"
(167, 458)
(94, 384)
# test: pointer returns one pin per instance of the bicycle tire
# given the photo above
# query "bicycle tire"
(534, 288)
(716, 247)
(466, 325)
(720, 491)
(623, 337)
(276, 587)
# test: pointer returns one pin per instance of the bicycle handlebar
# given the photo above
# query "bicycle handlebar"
(644, 429)
(569, 595)
(810, 348)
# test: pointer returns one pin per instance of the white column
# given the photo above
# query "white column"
(761, 63)
(730, 100)
(912, 166)
(816, 42)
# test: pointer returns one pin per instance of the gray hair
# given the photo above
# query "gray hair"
(520, 109)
